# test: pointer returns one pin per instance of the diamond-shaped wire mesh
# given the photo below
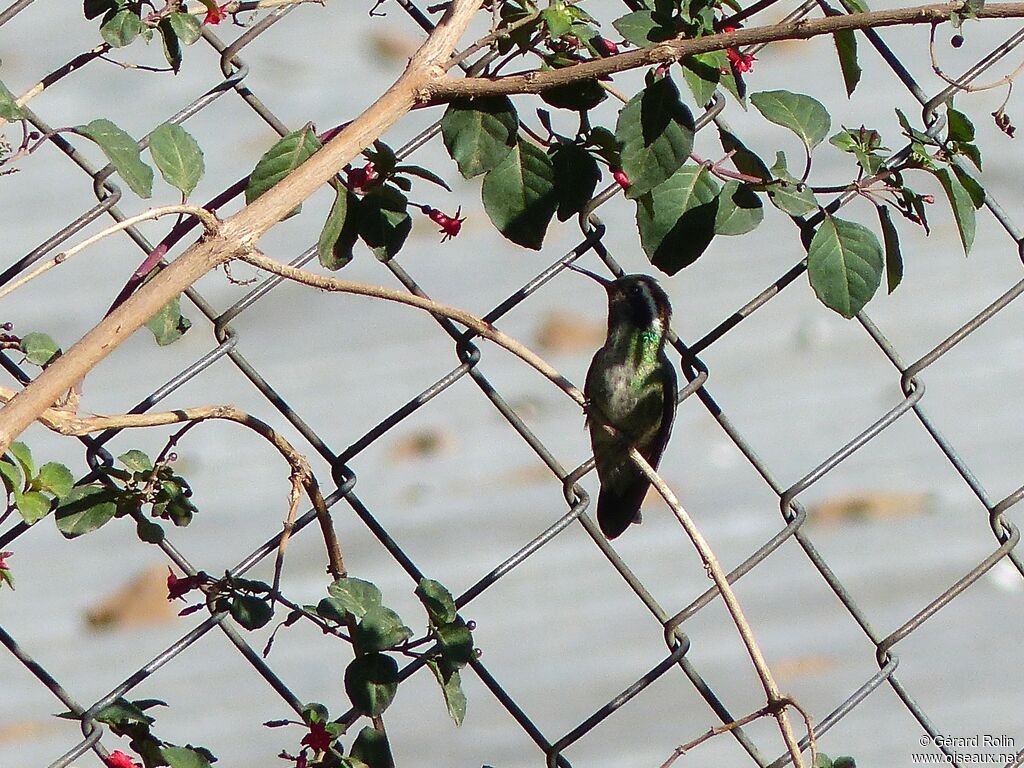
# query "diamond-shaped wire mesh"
(645, 648)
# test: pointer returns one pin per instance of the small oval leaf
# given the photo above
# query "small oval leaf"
(803, 115)
(371, 682)
(291, 151)
(85, 509)
(479, 133)
(519, 195)
(177, 156)
(844, 264)
(123, 153)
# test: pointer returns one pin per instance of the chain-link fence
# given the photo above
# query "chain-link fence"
(676, 666)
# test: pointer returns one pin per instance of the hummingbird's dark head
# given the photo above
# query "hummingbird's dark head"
(638, 301)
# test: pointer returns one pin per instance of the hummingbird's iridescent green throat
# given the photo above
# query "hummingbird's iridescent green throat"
(631, 385)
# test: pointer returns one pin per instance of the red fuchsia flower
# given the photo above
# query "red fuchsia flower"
(360, 178)
(318, 739)
(178, 588)
(741, 62)
(928, 199)
(215, 15)
(605, 46)
(621, 178)
(3, 560)
(119, 759)
(450, 225)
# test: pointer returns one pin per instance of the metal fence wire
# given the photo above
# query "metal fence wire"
(234, 81)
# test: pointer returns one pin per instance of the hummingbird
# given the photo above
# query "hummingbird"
(632, 386)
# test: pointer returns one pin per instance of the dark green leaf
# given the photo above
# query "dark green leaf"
(371, 682)
(55, 479)
(846, 48)
(380, 629)
(456, 641)
(822, 761)
(341, 230)
(9, 109)
(177, 155)
(479, 133)
(963, 207)
(656, 132)
(844, 264)
(85, 509)
(855, 6)
(372, 749)
(789, 196)
(186, 27)
(384, 223)
(519, 195)
(958, 126)
(95, 8)
(971, 152)
(744, 159)
(32, 505)
(355, 596)
(739, 210)
(332, 610)
(148, 531)
(703, 73)
(641, 29)
(579, 97)
(677, 220)
(576, 176)
(168, 325)
(23, 455)
(121, 28)
(122, 712)
(39, 348)
(844, 761)
(451, 688)
(250, 611)
(171, 44)
(424, 173)
(969, 183)
(437, 600)
(803, 115)
(291, 151)
(893, 255)
(136, 461)
(123, 153)
(183, 757)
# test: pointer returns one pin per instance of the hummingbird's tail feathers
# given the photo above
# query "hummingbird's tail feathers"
(617, 510)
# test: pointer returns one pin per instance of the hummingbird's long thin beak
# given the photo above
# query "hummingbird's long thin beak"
(602, 280)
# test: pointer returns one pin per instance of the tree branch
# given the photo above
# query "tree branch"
(672, 50)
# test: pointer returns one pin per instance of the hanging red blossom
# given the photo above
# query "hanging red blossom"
(450, 225)
(118, 759)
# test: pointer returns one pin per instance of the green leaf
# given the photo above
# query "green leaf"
(803, 115)
(96, 8)
(136, 461)
(479, 133)
(177, 155)
(39, 348)
(855, 6)
(557, 19)
(844, 264)
(341, 230)
(371, 682)
(969, 183)
(122, 712)
(822, 761)
(641, 28)
(456, 641)
(32, 505)
(703, 73)
(55, 479)
(963, 206)
(656, 132)
(183, 757)
(579, 97)
(11, 476)
(788, 195)
(121, 28)
(372, 749)
(893, 255)
(846, 48)
(168, 325)
(291, 151)
(744, 159)
(423, 173)
(450, 680)
(148, 531)
(677, 220)
(23, 455)
(958, 126)
(576, 175)
(519, 195)
(250, 611)
(739, 210)
(437, 600)
(379, 629)
(355, 596)
(384, 222)
(123, 153)
(85, 509)
(9, 109)
(186, 27)
(844, 761)
(171, 44)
